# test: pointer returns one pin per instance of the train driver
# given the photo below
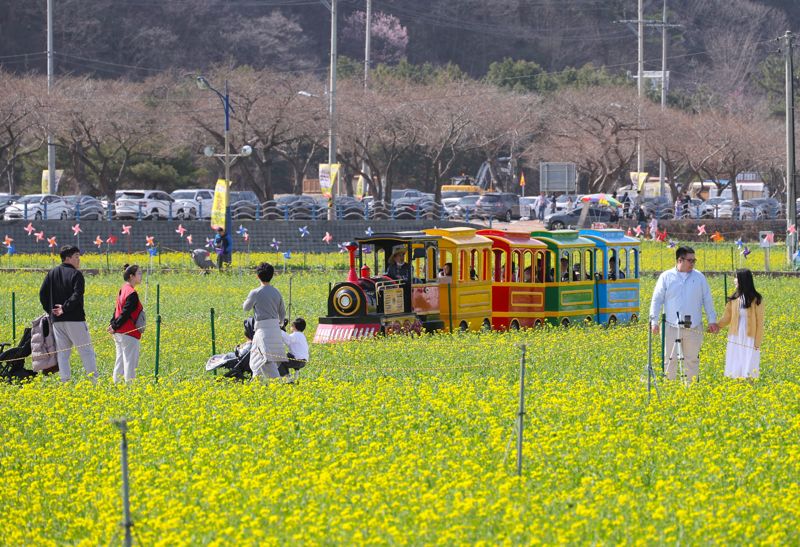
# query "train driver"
(398, 267)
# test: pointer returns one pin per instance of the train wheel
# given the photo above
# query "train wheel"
(612, 320)
(565, 322)
(634, 318)
(514, 325)
(538, 324)
(588, 320)
(486, 326)
(463, 326)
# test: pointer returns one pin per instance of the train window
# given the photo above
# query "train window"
(633, 263)
(498, 265)
(516, 265)
(588, 264)
(549, 266)
(563, 267)
(623, 264)
(539, 267)
(611, 266)
(576, 266)
(475, 265)
(380, 264)
(445, 266)
(527, 267)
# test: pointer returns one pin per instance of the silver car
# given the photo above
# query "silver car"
(38, 207)
(135, 204)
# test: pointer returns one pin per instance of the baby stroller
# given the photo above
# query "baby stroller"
(12, 361)
(236, 363)
(202, 258)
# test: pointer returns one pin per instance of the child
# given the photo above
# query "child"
(298, 350)
(653, 227)
(744, 312)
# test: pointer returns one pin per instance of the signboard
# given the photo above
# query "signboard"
(327, 177)
(220, 205)
(361, 187)
(557, 177)
(46, 181)
(393, 300)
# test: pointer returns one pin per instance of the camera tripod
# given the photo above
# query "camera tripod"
(677, 348)
(651, 374)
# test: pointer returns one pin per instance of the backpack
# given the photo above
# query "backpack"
(43, 345)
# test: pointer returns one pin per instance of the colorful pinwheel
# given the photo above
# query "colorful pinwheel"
(112, 240)
(76, 229)
(739, 242)
(328, 238)
(180, 230)
(189, 239)
(287, 254)
(7, 241)
(369, 231)
(51, 242)
(701, 230)
(29, 228)
(126, 230)
(303, 231)
(717, 237)
(39, 236)
(98, 241)
(149, 240)
(275, 244)
(745, 251)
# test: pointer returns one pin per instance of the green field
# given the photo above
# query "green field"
(398, 440)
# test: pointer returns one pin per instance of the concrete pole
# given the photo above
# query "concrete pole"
(640, 87)
(51, 147)
(367, 43)
(791, 212)
(661, 166)
(332, 112)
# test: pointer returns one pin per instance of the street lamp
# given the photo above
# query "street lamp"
(331, 147)
(227, 157)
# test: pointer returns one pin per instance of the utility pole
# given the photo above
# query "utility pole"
(367, 52)
(791, 211)
(51, 147)
(332, 113)
(640, 88)
(661, 166)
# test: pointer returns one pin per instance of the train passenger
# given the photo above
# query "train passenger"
(527, 275)
(612, 270)
(564, 268)
(446, 273)
(398, 267)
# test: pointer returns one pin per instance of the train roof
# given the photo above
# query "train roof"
(609, 236)
(459, 235)
(397, 237)
(562, 238)
(517, 239)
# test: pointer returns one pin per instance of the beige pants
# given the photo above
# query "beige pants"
(127, 357)
(691, 341)
(69, 334)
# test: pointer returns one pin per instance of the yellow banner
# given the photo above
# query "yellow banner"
(220, 205)
(638, 178)
(361, 187)
(46, 181)
(327, 177)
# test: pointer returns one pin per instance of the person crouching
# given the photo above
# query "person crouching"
(297, 345)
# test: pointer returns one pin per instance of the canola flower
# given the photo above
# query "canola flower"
(401, 440)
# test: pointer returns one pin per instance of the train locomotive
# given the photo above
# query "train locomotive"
(480, 279)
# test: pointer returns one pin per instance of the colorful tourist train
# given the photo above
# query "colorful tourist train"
(460, 279)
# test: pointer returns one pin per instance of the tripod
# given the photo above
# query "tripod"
(677, 347)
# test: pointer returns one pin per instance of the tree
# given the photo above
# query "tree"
(389, 37)
(20, 122)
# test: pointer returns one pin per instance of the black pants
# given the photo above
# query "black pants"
(292, 363)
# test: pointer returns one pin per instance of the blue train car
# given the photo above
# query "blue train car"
(617, 277)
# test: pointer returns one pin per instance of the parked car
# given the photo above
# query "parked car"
(660, 206)
(563, 202)
(85, 207)
(149, 204)
(192, 203)
(745, 211)
(501, 205)
(710, 207)
(526, 205)
(6, 200)
(466, 206)
(38, 207)
(416, 207)
(450, 200)
(771, 207)
(406, 193)
(559, 221)
(243, 204)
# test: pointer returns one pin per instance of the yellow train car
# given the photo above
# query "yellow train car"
(465, 281)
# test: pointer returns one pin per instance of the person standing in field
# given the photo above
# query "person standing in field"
(744, 312)
(541, 205)
(61, 296)
(270, 314)
(683, 292)
(223, 245)
(127, 337)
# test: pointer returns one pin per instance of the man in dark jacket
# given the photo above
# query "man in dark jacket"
(61, 296)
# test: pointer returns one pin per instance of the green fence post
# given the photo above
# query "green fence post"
(663, 339)
(213, 338)
(14, 317)
(158, 342)
(158, 298)
(725, 285)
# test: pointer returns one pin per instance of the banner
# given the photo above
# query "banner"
(327, 177)
(46, 181)
(522, 180)
(638, 179)
(220, 205)
(361, 187)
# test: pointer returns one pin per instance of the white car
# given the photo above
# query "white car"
(135, 204)
(193, 203)
(38, 207)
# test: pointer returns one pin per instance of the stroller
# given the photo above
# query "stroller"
(202, 258)
(12, 361)
(236, 363)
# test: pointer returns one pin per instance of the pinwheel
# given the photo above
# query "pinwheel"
(792, 229)
(210, 242)
(152, 251)
(745, 251)
(29, 228)
(672, 244)
(112, 240)
(739, 242)
(76, 229)
(342, 247)
(180, 230)
(98, 241)
(242, 230)
(39, 236)
(303, 231)
(10, 250)
(51, 242)
(126, 230)
(369, 231)
(328, 238)
(246, 236)
(717, 237)
(275, 244)
(287, 254)
(189, 239)
(701, 230)
(7, 241)
(638, 231)
(149, 240)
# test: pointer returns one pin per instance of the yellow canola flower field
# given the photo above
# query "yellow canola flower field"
(401, 440)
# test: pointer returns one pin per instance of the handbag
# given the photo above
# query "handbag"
(141, 322)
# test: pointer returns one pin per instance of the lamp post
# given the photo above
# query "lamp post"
(226, 156)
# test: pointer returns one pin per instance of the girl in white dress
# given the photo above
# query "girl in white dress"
(744, 315)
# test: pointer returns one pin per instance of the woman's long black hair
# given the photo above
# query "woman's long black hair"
(745, 287)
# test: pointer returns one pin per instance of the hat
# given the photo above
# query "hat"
(398, 249)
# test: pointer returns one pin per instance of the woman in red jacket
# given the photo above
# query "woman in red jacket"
(123, 325)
